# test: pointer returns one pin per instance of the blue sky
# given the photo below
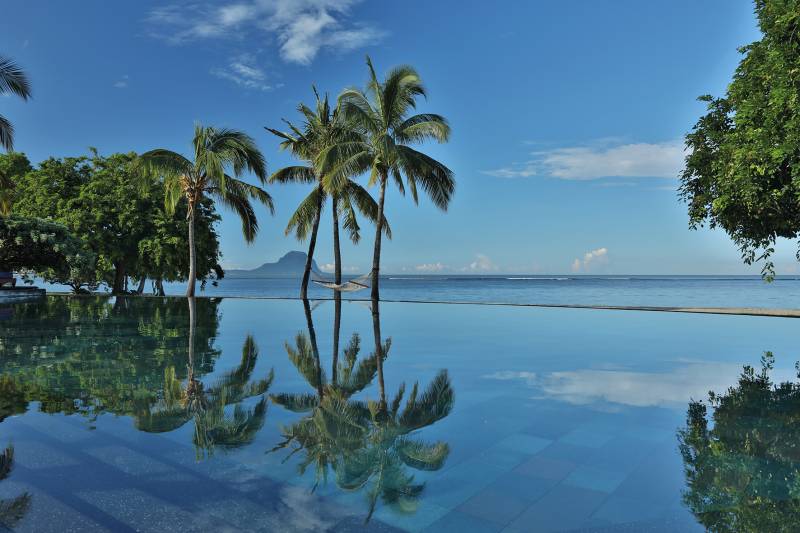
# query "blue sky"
(567, 117)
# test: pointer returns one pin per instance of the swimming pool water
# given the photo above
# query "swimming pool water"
(161, 414)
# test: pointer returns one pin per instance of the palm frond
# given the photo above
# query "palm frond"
(6, 134)
(421, 127)
(13, 79)
(435, 178)
(302, 220)
(294, 174)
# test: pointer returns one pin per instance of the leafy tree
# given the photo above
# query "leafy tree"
(11, 165)
(12, 80)
(215, 149)
(743, 471)
(382, 113)
(120, 218)
(74, 355)
(46, 249)
(323, 127)
(742, 173)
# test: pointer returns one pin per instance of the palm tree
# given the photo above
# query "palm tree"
(323, 127)
(12, 80)
(215, 149)
(382, 113)
(14, 510)
(213, 428)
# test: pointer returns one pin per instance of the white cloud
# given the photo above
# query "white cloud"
(331, 267)
(601, 160)
(591, 260)
(244, 72)
(122, 83)
(482, 263)
(431, 267)
(300, 28)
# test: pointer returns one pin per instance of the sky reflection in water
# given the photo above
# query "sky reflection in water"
(274, 417)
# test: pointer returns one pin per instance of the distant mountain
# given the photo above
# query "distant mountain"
(290, 265)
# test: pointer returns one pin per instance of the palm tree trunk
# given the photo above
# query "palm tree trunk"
(192, 256)
(337, 324)
(337, 251)
(191, 303)
(312, 243)
(376, 255)
(376, 332)
(312, 335)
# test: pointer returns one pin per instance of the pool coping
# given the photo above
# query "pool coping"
(741, 311)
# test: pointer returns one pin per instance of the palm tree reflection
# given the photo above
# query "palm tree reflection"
(367, 445)
(743, 472)
(206, 405)
(13, 510)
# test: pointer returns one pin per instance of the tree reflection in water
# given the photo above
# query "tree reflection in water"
(367, 445)
(13, 510)
(743, 470)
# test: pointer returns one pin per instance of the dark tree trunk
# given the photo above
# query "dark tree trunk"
(376, 255)
(140, 288)
(337, 323)
(312, 243)
(376, 331)
(312, 335)
(160, 287)
(119, 278)
(190, 365)
(192, 256)
(337, 251)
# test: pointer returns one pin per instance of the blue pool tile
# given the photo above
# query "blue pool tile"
(525, 487)
(588, 437)
(423, 516)
(545, 468)
(621, 510)
(521, 442)
(599, 479)
(567, 452)
(494, 505)
(458, 522)
(563, 508)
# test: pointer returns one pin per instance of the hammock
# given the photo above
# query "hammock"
(356, 284)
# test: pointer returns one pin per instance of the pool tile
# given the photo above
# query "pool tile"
(494, 505)
(458, 522)
(621, 510)
(562, 508)
(599, 479)
(426, 514)
(521, 486)
(545, 468)
(584, 436)
(567, 452)
(521, 442)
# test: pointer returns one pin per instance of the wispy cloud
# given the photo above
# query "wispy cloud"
(591, 261)
(608, 158)
(330, 267)
(122, 83)
(300, 28)
(244, 72)
(482, 263)
(431, 267)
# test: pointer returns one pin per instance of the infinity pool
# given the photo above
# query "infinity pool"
(147, 414)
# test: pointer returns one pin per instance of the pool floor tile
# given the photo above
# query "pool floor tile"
(586, 436)
(562, 508)
(458, 522)
(621, 510)
(599, 479)
(523, 443)
(494, 505)
(525, 487)
(545, 468)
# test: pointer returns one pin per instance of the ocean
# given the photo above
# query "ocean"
(681, 291)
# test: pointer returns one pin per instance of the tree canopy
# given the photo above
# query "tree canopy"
(742, 172)
(122, 220)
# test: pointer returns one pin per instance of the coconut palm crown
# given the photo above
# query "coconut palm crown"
(12, 80)
(322, 128)
(382, 113)
(221, 156)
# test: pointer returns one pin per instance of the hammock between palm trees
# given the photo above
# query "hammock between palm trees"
(355, 284)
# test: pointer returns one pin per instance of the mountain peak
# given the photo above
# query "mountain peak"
(291, 265)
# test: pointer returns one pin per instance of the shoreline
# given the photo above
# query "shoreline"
(736, 311)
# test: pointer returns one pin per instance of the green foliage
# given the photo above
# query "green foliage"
(11, 165)
(743, 472)
(743, 169)
(217, 151)
(46, 249)
(122, 220)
